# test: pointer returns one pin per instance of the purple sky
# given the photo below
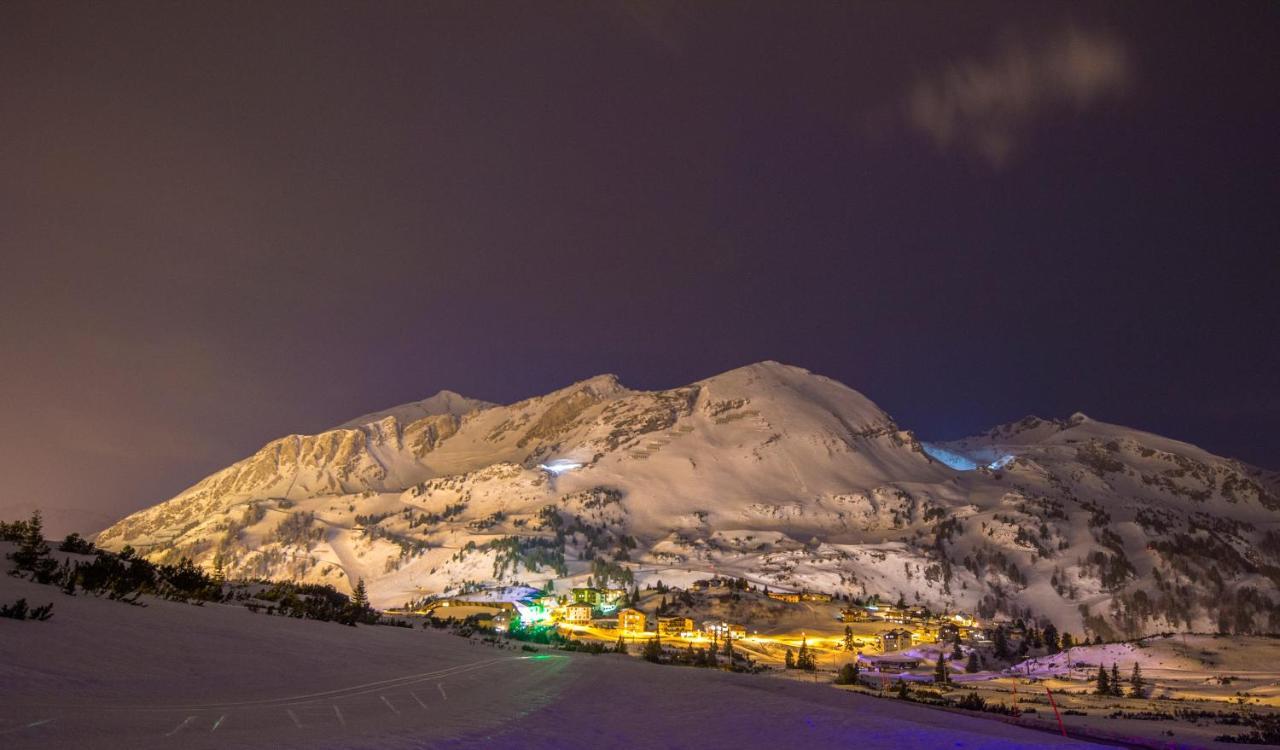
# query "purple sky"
(225, 222)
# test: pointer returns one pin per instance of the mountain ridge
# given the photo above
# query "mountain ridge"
(767, 471)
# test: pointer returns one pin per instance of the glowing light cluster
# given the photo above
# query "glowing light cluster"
(532, 614)
(559, 466)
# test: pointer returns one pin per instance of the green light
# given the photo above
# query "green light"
(531, 614)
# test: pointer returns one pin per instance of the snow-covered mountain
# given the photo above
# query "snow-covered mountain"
(769, 472)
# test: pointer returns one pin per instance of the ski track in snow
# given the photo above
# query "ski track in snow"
(209, 717)
(105, 675)
(307, 698)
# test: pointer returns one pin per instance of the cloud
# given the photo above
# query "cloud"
(986, 106)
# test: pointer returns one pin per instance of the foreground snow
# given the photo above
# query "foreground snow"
(102, 674)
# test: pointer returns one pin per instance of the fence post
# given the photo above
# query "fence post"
(1054, 703)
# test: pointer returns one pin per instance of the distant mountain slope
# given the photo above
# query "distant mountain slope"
(769, 472)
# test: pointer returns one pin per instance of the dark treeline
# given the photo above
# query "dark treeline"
(127, 576)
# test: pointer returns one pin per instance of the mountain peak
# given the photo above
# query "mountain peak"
(604, 385)
(767, 370)
(605, 380)
(443, 402)
(772, 366)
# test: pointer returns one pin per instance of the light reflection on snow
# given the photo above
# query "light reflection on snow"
(559, 466)
(954, 460)
(964, 463)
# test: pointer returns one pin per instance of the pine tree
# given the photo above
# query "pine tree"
(67, 575)
(848, 638)
(77, 544)
(728, 646)
(848, 674)
(32, 554)
(1137, 686)
(790, 659)
(1102, 683)
(1051, 638)
(940, 671)
(956, 653)
(652, 650)
(621, 646)
(805, 659)
(15, 611)
(1117, 689)
(1068, 641)
(360, 611)
(1001, 643)
(219, 569)
(973, 665)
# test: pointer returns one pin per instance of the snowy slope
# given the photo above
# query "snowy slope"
(101, 674)
(769, 472)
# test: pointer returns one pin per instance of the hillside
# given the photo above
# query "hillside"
(768, 472)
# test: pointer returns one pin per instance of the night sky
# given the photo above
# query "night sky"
(225, 222)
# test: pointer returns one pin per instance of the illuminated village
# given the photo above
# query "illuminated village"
(1027, 671)
(874, 633)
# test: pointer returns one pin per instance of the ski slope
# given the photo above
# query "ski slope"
(103, 674)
